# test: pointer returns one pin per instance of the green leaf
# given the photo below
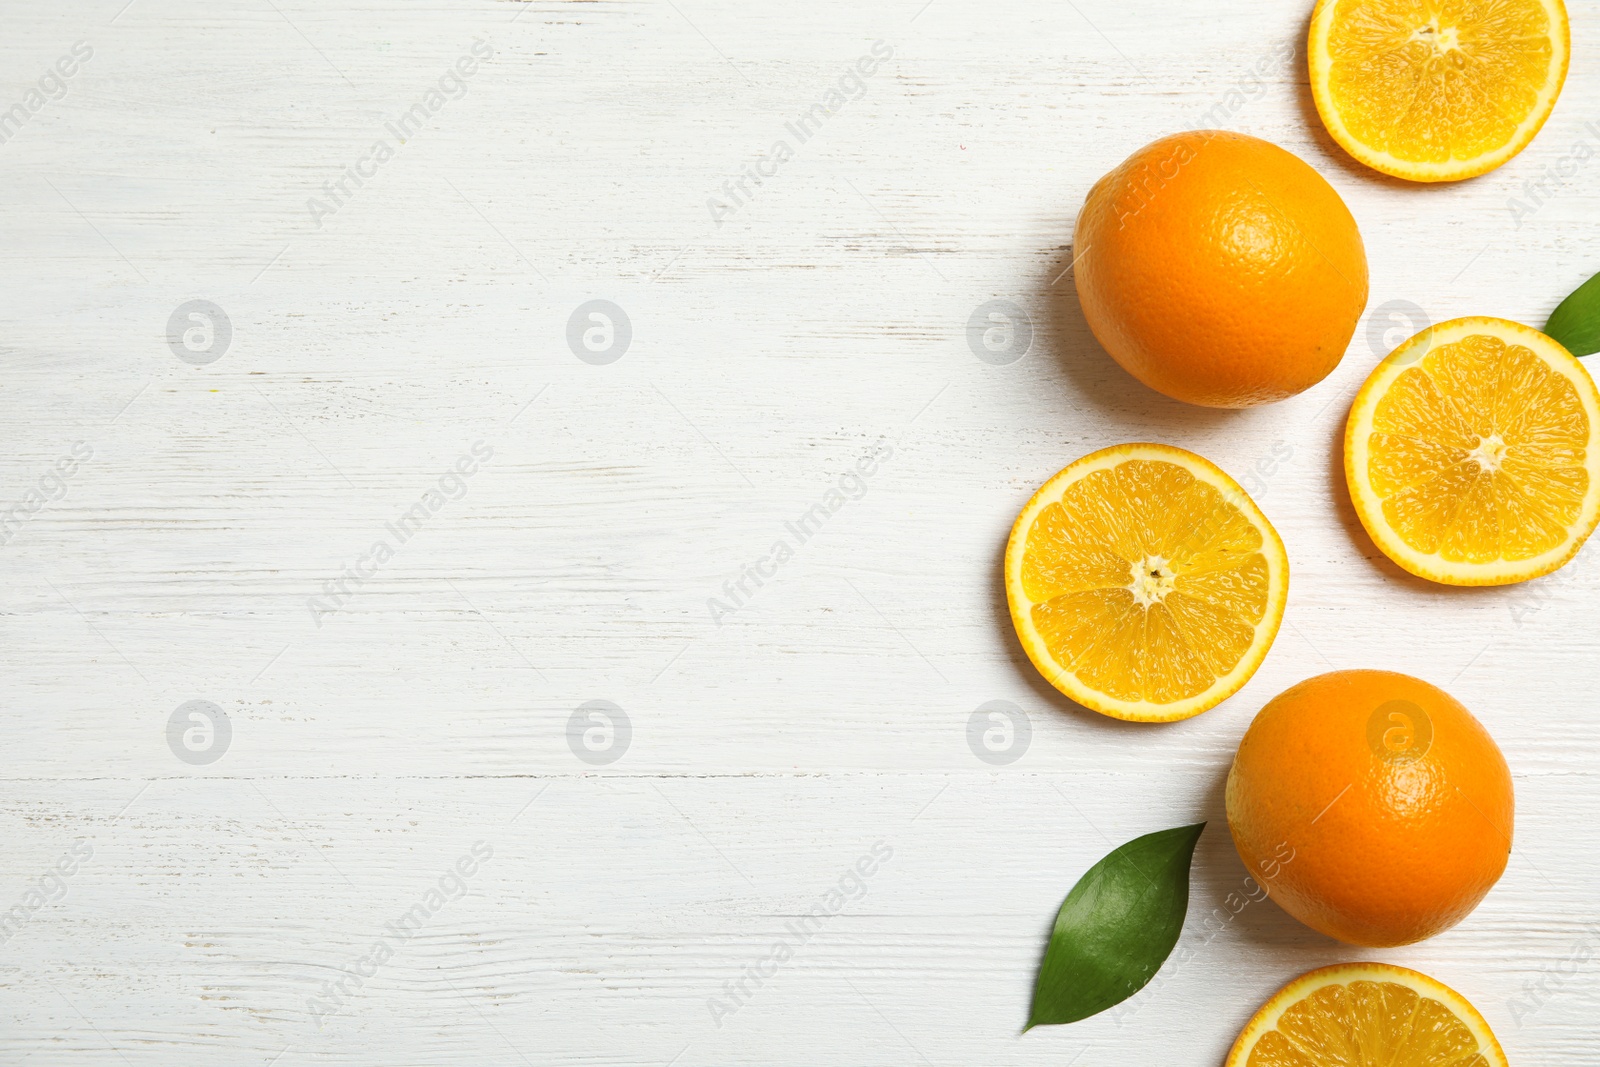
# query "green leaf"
(1116, 927)
(1576, 320)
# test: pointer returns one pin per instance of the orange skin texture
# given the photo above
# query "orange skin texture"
(1220, 270)
(1403, 848)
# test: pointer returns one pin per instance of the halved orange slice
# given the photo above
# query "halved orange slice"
(1144, 583)
(1366, 1015)
(1473, 453)
(1435, 90)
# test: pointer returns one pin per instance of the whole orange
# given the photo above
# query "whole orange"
(1219, 269)
(1371, 806)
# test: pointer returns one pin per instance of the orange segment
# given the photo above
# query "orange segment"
(1435, 90)
(1472, 453)
(1366, 1015)
(1144, 583)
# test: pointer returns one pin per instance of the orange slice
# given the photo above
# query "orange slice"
(1144, 583)
(1366, 1015)
(1473, 453)
(1435, 90)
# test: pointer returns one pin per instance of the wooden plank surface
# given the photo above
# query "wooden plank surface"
(215, 538)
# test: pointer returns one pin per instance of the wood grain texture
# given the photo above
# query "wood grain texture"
(771, 748)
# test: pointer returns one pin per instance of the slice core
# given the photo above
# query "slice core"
(1144, 583)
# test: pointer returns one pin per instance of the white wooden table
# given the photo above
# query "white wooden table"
(415, 844)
